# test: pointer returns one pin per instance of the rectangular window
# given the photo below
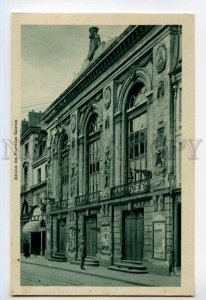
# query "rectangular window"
(65, 176)
(39, 175)
(94, 166)
(137, 147)
(26, 149)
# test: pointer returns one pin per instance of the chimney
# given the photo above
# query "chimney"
(34, 118)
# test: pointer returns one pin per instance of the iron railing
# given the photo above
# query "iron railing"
(87, 199)
(60, 205)
(131, 188)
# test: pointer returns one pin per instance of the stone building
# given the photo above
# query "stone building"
(114, 154)
(34, 184)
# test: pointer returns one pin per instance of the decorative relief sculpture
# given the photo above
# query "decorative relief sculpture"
(107, 170)
(140, 97)
(160, 152)
(160, 58)
(73, 181)
(107, 97)
(94, 41)
(160, 89)
(48, 179)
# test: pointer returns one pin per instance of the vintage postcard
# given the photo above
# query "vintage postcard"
(102, 174)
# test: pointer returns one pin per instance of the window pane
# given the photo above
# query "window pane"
(137, 147)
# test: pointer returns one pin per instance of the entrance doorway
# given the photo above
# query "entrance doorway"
(61, 235)
(133, 235)
(91, 235)
(37, 243)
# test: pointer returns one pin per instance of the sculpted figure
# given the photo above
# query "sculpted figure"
(94, 41)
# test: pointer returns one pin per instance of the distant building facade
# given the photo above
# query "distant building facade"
(34, 183)
(114, 153)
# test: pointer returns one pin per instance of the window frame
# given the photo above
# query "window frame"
(93, 138)
(133, 113)
(64, 177)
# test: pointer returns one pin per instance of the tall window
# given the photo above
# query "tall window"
(26, 176)
(94, 155)
(64, 169)
(39, 175)
(137, 134)
(26, 149)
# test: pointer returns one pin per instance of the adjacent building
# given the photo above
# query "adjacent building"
(33, 178)
(113, 162)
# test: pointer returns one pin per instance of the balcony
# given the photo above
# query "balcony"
(131, 188)
(60, 205)
(87, 199)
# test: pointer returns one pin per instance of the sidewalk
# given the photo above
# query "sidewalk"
(140, 279)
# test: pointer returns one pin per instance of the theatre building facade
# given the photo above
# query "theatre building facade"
(114, 154)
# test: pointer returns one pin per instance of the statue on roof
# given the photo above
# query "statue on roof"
(94, 41)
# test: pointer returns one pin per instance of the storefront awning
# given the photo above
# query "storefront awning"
(32, 226)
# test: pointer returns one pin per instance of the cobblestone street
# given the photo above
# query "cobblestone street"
(38, 271)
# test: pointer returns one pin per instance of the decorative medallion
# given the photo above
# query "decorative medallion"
(73, 123)
(160, 58)
(107, 97)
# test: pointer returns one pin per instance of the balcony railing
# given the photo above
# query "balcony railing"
(60, 205)
(132, 188)
(87, 199)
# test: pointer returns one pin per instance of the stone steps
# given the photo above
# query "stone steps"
(88, 262)
(129, 267)
(60, 257)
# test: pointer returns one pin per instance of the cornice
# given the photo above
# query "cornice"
(30, 130)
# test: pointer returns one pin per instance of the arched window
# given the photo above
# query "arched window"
(25, 208)
(64, 168)
(137, 133)
(93, 151)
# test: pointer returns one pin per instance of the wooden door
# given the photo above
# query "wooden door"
(133, 235)
(91, 236)
(61, 235)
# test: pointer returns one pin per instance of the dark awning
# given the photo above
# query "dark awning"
(32, 226)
